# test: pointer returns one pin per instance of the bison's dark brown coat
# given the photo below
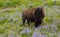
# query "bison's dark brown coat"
(35, 15)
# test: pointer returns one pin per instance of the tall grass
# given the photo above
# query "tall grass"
(27, 3)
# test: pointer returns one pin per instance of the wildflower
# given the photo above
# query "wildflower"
(53, 27)
(37, 34)
(11, 34)
(26, 31)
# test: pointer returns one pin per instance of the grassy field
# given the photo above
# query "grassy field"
(11, 20)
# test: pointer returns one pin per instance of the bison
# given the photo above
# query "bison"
(35, 15)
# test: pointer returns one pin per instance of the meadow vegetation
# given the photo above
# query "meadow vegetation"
(11, 19)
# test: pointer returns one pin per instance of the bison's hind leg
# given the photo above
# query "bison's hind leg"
(23, 19)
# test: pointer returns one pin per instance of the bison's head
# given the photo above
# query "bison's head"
(39, 13)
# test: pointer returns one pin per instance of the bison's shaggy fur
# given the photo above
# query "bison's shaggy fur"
(35, 15)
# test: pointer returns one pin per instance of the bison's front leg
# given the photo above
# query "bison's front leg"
(37, 23)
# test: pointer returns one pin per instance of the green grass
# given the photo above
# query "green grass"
(11, 19)
(27, 3)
